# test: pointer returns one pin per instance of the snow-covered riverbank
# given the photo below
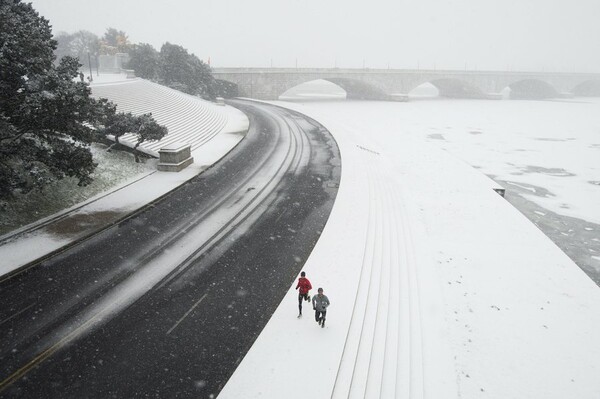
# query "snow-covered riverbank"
(545, 153)
(439, 286)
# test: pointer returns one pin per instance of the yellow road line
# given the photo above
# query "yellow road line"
(47, 353)
(16, 314)
(187, 313)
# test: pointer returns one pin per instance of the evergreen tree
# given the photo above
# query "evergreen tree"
(114, 41)
(83, 45)
(226, 89)
(143, 126)
(185, 72)
(47, 117)
(176, 68)
(144, 60)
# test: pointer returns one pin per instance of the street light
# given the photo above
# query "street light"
(90, 65)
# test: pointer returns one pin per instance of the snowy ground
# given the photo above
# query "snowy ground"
(545, 152)
(440, 288)
(550, 144)
(114, 168)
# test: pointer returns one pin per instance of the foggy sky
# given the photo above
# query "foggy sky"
(539, 35)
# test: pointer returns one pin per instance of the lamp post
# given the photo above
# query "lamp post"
(90, 65)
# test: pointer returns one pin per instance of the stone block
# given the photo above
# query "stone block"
(175, 157)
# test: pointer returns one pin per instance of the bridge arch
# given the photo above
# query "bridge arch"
(424, 90)
(589, 88)
(452, 88)
(355, 89)
(315, 89)
(358, 89)
(532, 89)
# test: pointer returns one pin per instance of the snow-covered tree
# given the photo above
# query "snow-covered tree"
(47, 117)
(185, 72)
(114, 41)
(143, 126)
(144, 59)
(83, 45)
(226, 89)
(178, 69)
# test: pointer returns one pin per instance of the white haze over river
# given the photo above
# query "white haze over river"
(546, 154)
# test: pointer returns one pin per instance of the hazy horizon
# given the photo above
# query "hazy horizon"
(431, 34)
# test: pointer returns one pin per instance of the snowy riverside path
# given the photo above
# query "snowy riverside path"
(439, 289)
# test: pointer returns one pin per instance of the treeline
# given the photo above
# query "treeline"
(173, 66)
(47, 116)
(87, 46)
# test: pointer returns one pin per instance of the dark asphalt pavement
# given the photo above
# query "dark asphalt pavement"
(256, 214)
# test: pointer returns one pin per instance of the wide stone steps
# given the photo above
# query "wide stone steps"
(382, 356)
(189, 119)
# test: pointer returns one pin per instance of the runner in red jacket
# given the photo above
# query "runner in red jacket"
(305, 287)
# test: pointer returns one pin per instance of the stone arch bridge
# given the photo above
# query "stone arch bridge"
(394, 84)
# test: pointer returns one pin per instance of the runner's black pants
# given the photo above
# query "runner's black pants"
(320, 315)
(301, 297)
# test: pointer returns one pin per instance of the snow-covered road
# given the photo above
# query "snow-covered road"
(174, 286)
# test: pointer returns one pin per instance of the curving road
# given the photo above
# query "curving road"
(167, 303)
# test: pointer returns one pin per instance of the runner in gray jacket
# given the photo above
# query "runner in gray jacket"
(320, 304)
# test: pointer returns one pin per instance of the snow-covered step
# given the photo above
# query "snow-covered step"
(363, 303)
(188, 118)
(385, 240)
(382, 356)
(409, 360)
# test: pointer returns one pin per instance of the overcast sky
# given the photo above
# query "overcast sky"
(541, 35)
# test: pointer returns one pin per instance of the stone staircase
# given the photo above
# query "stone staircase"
(382, 356)
(189, 119)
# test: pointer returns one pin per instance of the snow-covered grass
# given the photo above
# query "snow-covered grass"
(113, 168)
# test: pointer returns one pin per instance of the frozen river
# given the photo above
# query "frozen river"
(546, 154)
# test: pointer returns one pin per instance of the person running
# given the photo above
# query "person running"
(320, 303)
(305, 287)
